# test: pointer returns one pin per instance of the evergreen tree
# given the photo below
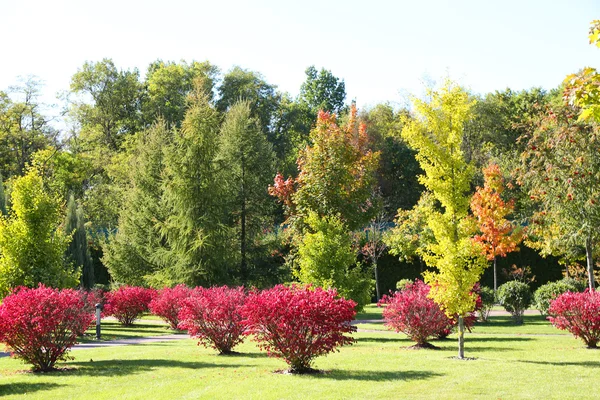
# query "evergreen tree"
(246, 161)
(130, 254)
(198, 244)
(77, 251)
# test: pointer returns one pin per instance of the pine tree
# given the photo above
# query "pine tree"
(197, 244)
(130, 255)
(246, 162)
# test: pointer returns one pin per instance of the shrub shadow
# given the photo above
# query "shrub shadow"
(591, 364)
(492, 338)
(23, 388)
(381, 340)
(127, 367)
(375, 376)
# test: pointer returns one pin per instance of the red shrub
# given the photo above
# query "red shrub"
(299, 323)
(416, 315)
(167, 303)
(127, 303)
(578, 313)
(213, 316)
(40, 325)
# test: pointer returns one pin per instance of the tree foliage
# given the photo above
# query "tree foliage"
(32, 246)
(322, 91)
(77, 251)
(436, 134)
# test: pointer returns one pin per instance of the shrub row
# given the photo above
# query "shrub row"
(295, 323)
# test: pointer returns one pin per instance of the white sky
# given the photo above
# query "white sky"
(382, 49)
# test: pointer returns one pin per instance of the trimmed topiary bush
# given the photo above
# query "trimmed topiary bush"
(551, 290)
(127, 303)
(213, 316)
(168, 302)
(578, 313)
(299, 323)
(411, 312)
(40, 325)
(515, 297)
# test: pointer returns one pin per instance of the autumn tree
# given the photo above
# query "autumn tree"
(436, 134)
(246, 162)
(560, 170)
(498, 236)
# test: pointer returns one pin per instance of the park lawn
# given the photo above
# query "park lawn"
(379, 365)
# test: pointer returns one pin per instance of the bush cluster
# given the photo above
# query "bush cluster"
(40, 325)
(167, 303)
(127, 303)
(578, 313)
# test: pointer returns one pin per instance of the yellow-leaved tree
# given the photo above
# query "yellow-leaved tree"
(436, 133)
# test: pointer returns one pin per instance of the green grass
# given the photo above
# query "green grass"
(510, 363)
(112, 330)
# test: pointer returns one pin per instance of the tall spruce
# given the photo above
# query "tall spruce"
(130, 254)
(246, 160)
(77, 251)
(197, 242)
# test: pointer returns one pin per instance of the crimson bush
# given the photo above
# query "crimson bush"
(411, 312)
(213, 316)
(299, 323)
(127, 303)
(167, 303)
(40, 325)
(578, 313)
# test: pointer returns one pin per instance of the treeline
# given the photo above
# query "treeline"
(167, 179)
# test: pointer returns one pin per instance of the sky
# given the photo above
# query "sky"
(384, 50)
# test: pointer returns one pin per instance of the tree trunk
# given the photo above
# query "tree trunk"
(590, 262)
(495, 277)
(461, 338)
(376, 281)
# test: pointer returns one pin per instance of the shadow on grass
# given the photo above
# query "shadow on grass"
(382, 340)
(591, 364)
(24, 388)
(493, 338)
(506, 320)
(127, 367)
(368, 315)
(375, 376)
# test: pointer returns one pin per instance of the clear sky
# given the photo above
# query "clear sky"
(382, 49)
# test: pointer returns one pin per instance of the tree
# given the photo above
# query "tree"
(240, 84)
(196, 240)
(167, 86)
(114, 111)
(322, 91)
(498, 236)
(436, 134)
(560, 170)
(374, 246)
(337, 172)
(24, 129)
(326, 258)
(246, 161)
(32, 247)
(130, 254)
(77, 251)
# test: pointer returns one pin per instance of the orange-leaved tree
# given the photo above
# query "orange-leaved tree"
(498, 236)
